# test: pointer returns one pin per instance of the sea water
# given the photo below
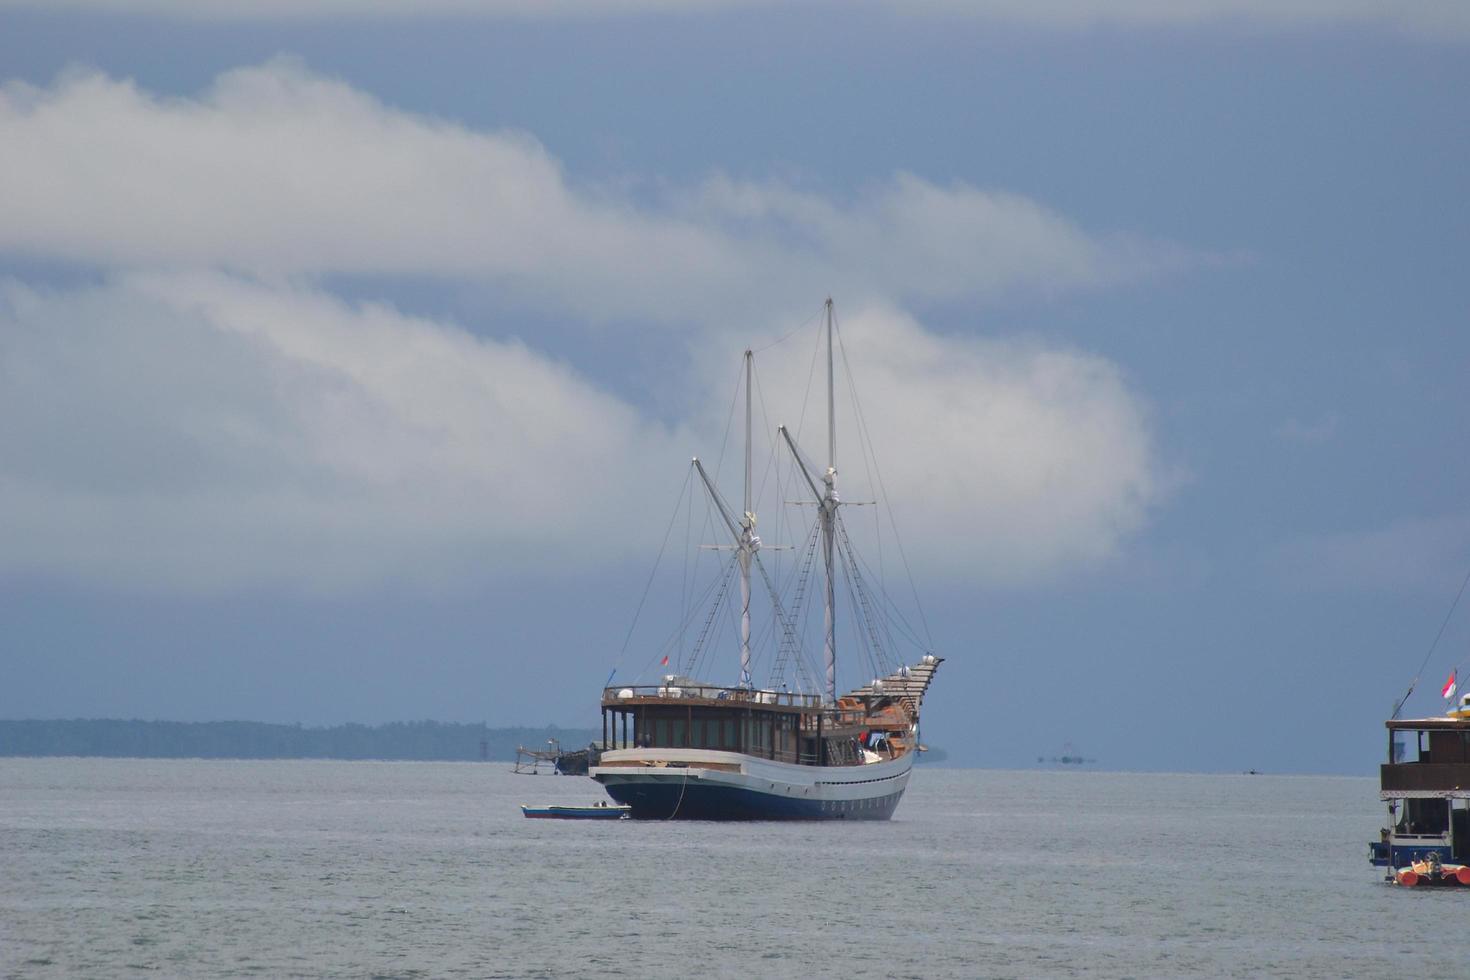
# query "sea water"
(121, 868)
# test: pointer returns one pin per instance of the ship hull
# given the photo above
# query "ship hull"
(699, 785)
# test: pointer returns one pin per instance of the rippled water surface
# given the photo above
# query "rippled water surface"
(211, 869)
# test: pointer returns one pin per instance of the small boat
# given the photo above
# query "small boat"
(597, 811)
(1431, 871)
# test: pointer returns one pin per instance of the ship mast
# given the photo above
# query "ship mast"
(748, 542)
(829, 522)
(827, 503)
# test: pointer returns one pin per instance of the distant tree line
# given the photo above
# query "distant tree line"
(408, 740)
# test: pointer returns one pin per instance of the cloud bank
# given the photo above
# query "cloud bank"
(202, 432)
(1427, 17)
(190, 432)
(207, 415)
(278, 171)
(1006, 458)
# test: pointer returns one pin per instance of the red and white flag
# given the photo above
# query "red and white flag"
(665, 662)
(1449, 686)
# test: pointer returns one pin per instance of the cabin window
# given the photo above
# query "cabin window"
(676, 737)
(1406, 746)
(1424, 817)
(705, 733)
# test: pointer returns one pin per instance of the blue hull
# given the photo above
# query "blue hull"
(1380, 855)
(696, 801)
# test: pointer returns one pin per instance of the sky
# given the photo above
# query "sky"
(352, 356)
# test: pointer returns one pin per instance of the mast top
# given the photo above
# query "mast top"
(831, 401)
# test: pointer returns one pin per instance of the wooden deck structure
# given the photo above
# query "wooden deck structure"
(780, 725)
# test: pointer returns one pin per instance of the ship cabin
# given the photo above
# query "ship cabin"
(1426, 784)
(782, 726)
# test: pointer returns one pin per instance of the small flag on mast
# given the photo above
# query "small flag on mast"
(1449, 686)
(665, 662)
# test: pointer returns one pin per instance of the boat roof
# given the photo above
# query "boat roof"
(1437, 723)
(906, 686)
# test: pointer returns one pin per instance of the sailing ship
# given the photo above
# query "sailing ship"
(688, 749)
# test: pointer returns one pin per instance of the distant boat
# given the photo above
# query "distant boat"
(1070, 757)
(555, 811)
(688, 749)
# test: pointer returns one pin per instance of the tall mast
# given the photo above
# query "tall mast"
(743, 532)
(828, 502)
(829, 521)
(748, 541)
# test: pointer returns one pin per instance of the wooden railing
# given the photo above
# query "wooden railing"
(706, 692)
(1424, 776)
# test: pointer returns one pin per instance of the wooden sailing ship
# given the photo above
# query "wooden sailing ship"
(682, 748)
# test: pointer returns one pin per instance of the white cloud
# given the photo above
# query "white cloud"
(210, 417)
(1426, 17)
(913, 238)
(201, 432)
(1002, 459)
(276, 171)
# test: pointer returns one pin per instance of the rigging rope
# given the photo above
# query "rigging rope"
(855, 579)
(865, 432)
(673, 645)
(793, 333)
(787, 625)
(649, 584)
(682, 787)
(714, 610)
(791, 642)
(1419, 673)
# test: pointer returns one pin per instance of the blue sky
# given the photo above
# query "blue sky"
(350, 362)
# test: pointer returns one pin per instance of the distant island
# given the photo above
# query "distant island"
(400, 740)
